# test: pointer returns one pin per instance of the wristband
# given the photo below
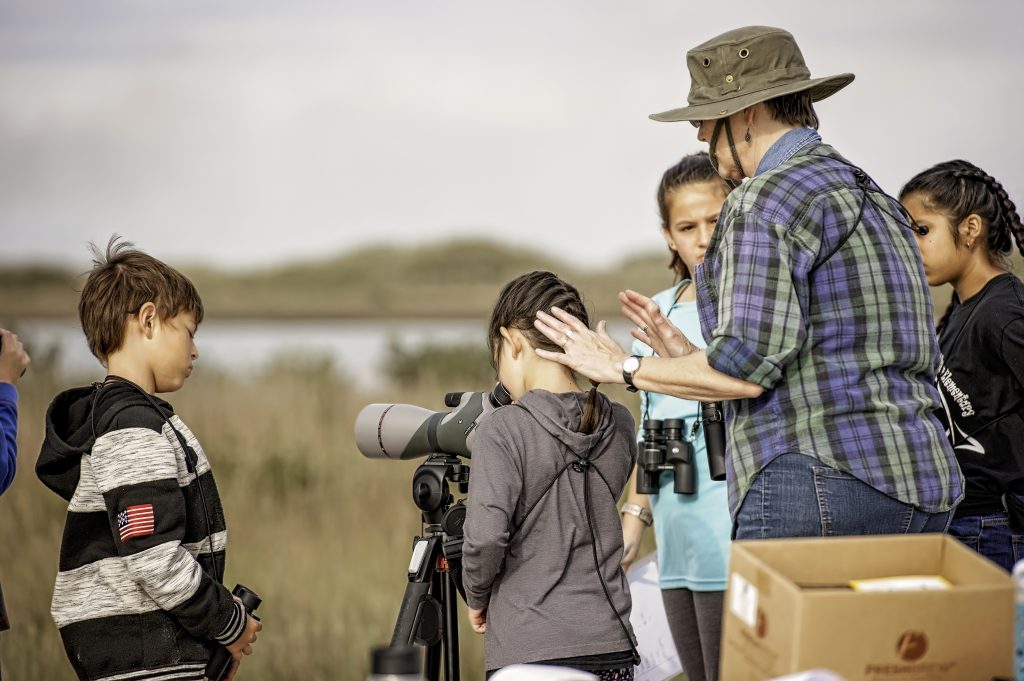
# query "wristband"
(640, 512)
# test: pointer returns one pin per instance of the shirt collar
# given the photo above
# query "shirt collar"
(785, 147)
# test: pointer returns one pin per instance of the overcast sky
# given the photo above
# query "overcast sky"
(249, 132)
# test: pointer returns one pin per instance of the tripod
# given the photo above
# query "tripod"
(428, 615)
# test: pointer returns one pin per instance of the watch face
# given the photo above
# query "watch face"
(630, 365)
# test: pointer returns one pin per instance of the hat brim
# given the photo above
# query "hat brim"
(819, 88)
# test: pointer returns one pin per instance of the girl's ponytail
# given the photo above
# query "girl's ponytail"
(591, 418)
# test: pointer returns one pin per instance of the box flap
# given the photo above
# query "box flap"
(823, 562)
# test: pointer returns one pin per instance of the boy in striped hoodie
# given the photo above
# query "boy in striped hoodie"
(139, 591)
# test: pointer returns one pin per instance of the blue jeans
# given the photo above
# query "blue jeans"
(991, 536)
(798, 496)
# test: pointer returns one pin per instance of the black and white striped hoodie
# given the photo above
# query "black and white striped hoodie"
(137, 595)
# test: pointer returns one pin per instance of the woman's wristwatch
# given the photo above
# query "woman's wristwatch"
(630, 366)
(639, 511)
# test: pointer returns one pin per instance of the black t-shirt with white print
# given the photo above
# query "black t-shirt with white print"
(981, 382)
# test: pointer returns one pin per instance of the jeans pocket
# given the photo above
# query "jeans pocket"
(849, 506)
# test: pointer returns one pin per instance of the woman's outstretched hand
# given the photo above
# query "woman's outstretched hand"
(593, 354)
(653, 328)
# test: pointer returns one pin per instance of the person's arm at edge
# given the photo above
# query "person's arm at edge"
(8, 434)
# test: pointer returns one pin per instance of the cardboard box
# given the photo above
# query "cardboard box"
(789, 607)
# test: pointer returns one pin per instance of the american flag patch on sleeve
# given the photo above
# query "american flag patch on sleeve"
(136, 521)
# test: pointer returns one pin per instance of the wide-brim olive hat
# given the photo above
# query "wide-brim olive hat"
(744, 67)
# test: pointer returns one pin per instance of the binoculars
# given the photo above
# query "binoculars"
(666, 449)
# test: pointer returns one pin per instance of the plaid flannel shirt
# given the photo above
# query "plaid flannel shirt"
(843, 345)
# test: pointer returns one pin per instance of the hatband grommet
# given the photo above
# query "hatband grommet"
(744, 53)
(728, 78)
(706, 62)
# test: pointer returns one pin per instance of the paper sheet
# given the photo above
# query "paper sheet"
(660, 659)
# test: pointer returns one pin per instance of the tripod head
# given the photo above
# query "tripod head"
(432, 495)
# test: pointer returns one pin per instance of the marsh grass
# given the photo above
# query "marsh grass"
(321, 533)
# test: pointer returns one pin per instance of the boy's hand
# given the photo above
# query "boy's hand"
(243, 646)
(478, 620)
(13, 358)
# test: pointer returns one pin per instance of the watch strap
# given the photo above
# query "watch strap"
(627, 376)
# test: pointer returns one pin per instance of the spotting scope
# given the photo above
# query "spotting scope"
(405, 431)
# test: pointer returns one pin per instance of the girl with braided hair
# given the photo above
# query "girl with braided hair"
(971, 226)
(542, 542)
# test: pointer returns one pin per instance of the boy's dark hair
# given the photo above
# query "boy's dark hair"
(517, 307)
(691, 169)
(121, 281)
(957, 189)
(795, 109)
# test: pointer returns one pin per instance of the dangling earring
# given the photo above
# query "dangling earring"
(746, 138)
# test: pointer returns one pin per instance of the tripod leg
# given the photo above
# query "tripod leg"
(433, 666)
(421, 613)
(422, 569)
(450, 633)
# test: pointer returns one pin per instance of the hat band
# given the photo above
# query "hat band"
(775, 78)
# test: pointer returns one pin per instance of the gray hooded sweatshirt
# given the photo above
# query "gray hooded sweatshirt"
(543, 597)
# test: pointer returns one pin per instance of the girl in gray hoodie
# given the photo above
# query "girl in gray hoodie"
(542, 536)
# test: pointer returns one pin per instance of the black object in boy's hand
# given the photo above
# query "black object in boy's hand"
(219, 664)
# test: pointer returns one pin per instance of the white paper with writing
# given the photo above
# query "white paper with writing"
(660, 660)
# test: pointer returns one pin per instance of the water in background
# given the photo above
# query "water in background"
(357, 347)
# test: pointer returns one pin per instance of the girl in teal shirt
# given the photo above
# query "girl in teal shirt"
(692, 530)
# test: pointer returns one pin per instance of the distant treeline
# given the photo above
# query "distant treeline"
(447, 279)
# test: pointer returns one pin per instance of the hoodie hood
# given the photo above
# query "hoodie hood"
(69, 430)
(560, 415)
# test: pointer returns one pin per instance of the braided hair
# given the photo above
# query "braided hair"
(692, 169)
(517, 307)
(957, 189)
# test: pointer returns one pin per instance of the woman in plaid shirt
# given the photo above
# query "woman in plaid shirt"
(815, 310)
